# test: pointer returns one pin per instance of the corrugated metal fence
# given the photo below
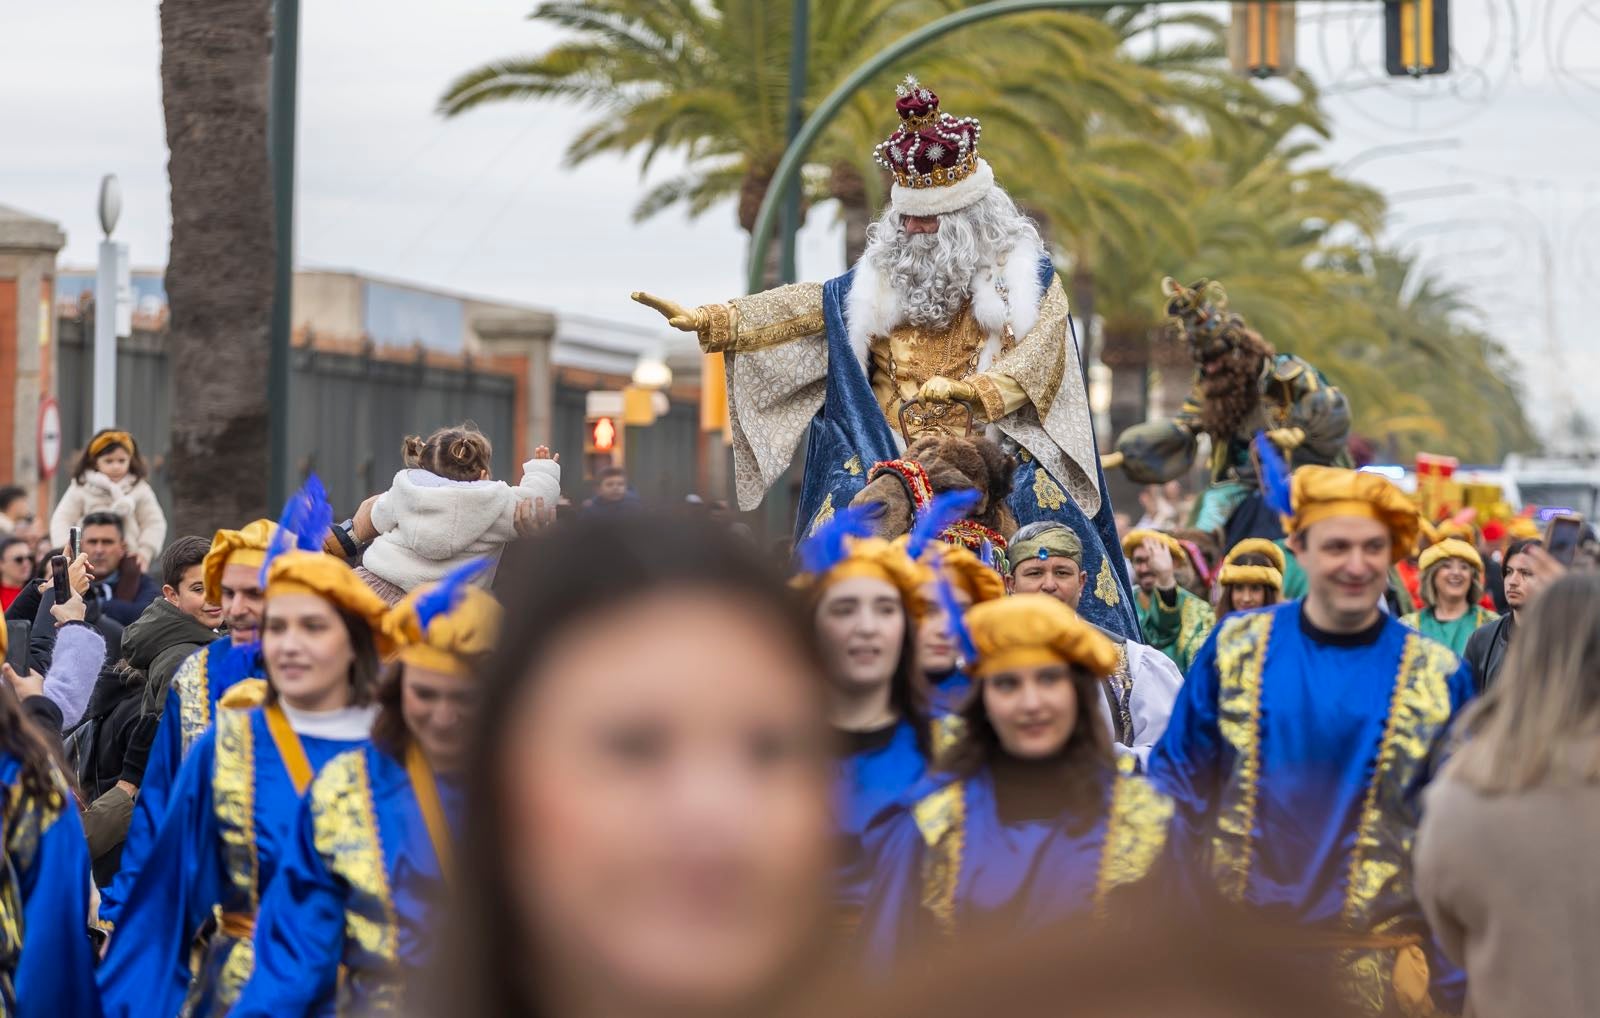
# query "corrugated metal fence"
(349, 412)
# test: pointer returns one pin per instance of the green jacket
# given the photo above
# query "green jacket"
(1176, 629)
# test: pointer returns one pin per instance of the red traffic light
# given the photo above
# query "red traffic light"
(603, 435)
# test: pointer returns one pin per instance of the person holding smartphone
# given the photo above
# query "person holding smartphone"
(1529, 568)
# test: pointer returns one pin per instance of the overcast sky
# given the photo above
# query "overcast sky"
(1504, 201)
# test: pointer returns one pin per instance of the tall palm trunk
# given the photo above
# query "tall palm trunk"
(215, 57)
(1125, 350)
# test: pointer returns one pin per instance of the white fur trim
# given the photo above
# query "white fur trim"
(872, 308)
(936, 201)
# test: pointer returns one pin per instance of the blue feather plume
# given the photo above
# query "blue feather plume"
(304, 525)
(944, 509)
(956, 622)
(986, 553)
(445, 595)
(825, 548)
(1275, 472)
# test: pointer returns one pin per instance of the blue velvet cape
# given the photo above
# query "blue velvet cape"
(1277, 745)
(217, 666)
(46, 959)
(230, 820)
(360, 859)
(849, 434)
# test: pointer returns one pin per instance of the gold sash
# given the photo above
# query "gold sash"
(290, 750)
(426, 789)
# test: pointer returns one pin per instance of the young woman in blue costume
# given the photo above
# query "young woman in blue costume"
(46, 959)
(237, 796)
(1038, 822)
(863, 593)
(352, 913)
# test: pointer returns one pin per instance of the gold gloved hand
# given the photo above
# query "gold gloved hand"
(679, 317)
(939, 389)
(1287, 438)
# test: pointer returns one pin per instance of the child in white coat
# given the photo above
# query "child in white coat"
(110, 477)
(445, 509)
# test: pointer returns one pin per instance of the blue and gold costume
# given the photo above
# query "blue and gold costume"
(875, 768)
(46, 959)
(1296, 758)
(229, 823)
(191, 706)
(950, 861)
(354, 909)
(1015, 843)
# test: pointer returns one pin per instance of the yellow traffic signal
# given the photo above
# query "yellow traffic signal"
(1261, 38)
(1416, 37)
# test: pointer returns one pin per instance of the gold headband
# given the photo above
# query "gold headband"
(107, 439)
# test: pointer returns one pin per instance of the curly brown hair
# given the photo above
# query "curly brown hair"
(1231, 381)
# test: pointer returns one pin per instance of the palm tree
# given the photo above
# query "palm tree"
(709, 80)
(219, 280)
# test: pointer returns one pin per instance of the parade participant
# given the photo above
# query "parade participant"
(1505, 849)
(864, 595)
(111, 477)
(648, 824)
(373, 846)
(954, 319)
(1301, 735)
(1039, 823)
(186, 708)
(1173, 620)
(1251, 576)
(446, 509)
(234, 804)
(1242, 388)
(942, 685)
(46, 959)
(1140, 690)
(1528, 568)
(1451, 585)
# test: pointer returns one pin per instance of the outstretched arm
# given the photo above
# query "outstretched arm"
(748, 323)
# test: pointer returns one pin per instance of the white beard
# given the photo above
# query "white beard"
(933, 278)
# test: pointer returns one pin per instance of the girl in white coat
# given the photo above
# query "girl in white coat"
(445, 509)
(110, 477)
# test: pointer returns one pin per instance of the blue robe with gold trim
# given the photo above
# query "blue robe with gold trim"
(359, 886)
(46, 960)
(866, 784)
(190, 708)
(946, 862)
(230, 821)
(1296, 762)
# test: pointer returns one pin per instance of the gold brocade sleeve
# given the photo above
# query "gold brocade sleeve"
(763, 320)
(1000, 394)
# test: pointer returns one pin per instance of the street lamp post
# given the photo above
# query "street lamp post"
(280, 127)
(113, 259)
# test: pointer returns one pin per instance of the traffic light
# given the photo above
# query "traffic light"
(1416, 37)
(1261, 38)
(602, 446)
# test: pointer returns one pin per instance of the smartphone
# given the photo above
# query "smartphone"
(18, 631)
(58, 576)
(1562, 537)
(72, 544)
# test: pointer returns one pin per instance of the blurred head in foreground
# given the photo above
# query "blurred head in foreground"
(651, 826)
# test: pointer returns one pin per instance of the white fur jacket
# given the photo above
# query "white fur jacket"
(429, 524)
(144, 525)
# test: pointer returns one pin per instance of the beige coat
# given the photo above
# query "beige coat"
(144, 525)
(1512, 888)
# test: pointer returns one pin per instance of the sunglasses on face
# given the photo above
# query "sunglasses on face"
(17, 560)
